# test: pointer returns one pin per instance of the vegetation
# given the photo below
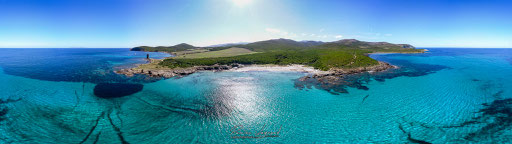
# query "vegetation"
(279, 45)
(189, 52)
(324, 56)
(176, 48)
(153, 64)
(219, 53)
(218, 48)
(320, 59)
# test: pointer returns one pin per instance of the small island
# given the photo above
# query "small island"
(322, 59)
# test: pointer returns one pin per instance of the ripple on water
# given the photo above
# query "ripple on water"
(445, 107)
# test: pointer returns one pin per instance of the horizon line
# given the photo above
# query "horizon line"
(420, 47)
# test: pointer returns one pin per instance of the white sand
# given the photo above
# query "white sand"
(278, 68)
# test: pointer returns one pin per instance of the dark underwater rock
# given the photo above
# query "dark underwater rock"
(338, 81)
(114, 90)
(3, 111)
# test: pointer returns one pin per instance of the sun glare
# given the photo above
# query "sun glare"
(241, 3)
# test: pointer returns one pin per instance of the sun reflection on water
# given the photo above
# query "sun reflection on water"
(243, 96)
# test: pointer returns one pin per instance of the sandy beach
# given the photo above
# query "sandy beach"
(279, 68)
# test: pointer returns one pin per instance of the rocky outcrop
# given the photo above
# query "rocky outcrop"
(330, 76)
(376, 68)
(168, 73)
(335, 74)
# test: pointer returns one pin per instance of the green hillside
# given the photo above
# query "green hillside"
(320, 59)
(217, 53)
(176, 48)
(279, 45)
(349, 53)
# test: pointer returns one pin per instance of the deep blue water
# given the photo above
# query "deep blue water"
(446, 95)
(75, 65)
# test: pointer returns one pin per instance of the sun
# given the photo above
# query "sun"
(241, 3)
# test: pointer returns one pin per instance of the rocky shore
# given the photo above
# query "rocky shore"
(331, 76)
(334, 75)
(168, 73)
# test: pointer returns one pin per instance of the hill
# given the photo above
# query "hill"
(176, 48)
(287, 44)
(279, 44)
(370, 47)
(228, 44)
(220, 53)
(348, 53)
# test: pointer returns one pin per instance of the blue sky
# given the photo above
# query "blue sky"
(128, 23)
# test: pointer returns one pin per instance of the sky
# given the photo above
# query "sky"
(130, 23)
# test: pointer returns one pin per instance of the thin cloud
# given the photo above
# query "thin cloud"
(279, 32)
(272, 30)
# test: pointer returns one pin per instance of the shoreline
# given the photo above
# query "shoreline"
(278, 68)
(335, 75)
(152, 69)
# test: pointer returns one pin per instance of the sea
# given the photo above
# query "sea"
(447, 95)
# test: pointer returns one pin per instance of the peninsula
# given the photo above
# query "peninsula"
(323, 59)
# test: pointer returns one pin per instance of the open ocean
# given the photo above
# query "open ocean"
(447, 95)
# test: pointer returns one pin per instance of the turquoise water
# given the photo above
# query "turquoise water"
(447, 95)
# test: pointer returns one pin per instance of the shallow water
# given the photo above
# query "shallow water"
(447, 95)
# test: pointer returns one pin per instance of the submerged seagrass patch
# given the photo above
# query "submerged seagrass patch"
(114, 90)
